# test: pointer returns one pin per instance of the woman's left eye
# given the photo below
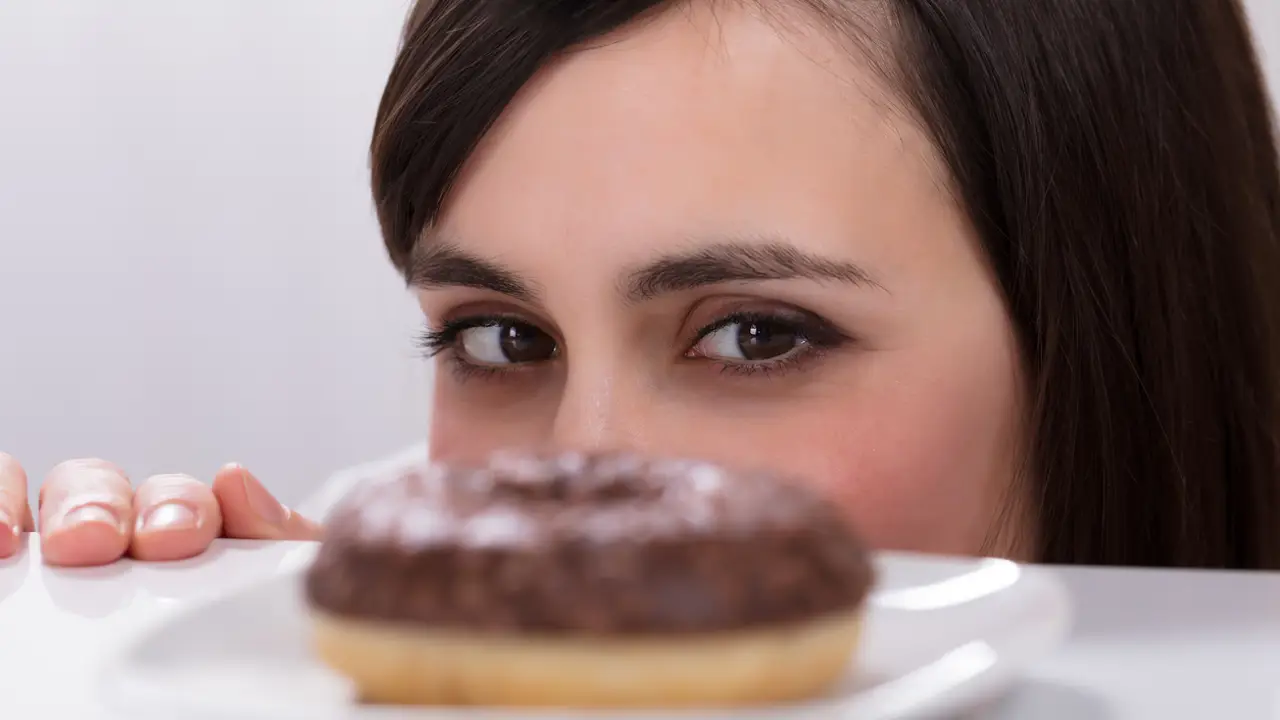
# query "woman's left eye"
(750, 340)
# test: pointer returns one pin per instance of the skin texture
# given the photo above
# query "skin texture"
(698, 130)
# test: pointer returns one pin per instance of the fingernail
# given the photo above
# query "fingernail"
(169, 516)
(261, 503)
(86, 515)
(8, 526)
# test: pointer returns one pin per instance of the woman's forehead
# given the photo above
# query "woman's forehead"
(694, 124)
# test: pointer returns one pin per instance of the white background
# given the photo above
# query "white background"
(190, 271)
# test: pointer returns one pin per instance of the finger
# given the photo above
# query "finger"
(177, 517)
(249, 511)
(86, 513)
(15, 515)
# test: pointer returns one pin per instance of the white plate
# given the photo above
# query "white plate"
(942, 636)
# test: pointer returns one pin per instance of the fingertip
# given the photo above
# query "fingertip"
(88, 536)
(251, 512)
(80, 473)
(9, 464)
(86, 513)
(15, 514)
(231, 472)
(228, 478)
(76, 484)
(177, 542)
(177, 518)
(10, 536)
(228, 491)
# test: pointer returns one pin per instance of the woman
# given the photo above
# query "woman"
(999, 276)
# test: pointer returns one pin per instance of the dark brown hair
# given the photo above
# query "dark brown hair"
(1117, 159)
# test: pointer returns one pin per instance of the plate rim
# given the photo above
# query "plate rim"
(127, 693)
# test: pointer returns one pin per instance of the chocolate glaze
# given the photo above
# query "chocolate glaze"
(607, 544)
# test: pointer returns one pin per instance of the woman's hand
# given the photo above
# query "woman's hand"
(90, 514)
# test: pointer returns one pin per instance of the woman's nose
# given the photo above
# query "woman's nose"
(601, 411)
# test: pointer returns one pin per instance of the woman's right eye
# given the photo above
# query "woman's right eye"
(505, 342)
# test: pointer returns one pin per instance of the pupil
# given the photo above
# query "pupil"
(522, 343)
(765, 341)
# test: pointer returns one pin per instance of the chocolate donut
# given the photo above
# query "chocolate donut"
(600, 554)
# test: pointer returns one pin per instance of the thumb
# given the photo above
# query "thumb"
(251, 512)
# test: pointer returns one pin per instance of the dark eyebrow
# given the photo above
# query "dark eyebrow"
(734, 261)
(442, 264)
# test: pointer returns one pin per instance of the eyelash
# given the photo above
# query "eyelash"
(433, 343)
(818, 335)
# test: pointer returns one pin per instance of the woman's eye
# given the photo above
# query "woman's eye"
(506, 343)
(750, 341)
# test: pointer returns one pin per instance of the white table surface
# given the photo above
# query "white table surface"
(1146, 644)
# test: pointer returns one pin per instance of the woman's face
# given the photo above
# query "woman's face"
(715, 236)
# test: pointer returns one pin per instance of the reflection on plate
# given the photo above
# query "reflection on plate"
(942, 635)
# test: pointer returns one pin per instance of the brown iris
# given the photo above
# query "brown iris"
(762, 340)
(525, 343)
